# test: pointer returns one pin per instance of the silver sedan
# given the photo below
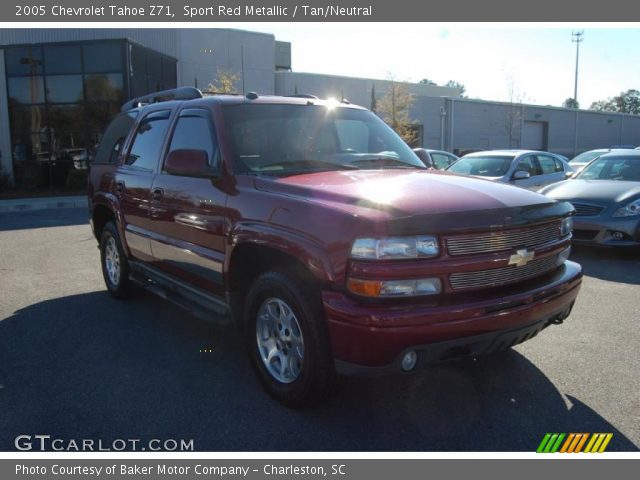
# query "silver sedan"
(524, 168)
(606, 196)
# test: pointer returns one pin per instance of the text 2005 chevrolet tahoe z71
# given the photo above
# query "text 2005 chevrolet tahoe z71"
(314, 226)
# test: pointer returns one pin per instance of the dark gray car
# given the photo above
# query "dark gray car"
(606, 196)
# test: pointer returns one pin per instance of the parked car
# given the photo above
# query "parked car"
(313, 226)
(524, 168)
(606, 196)
(437, 159)
(582, 160)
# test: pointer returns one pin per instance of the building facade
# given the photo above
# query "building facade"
(60, 87)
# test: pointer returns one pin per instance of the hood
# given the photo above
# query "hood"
(600, 191)
(406, 192)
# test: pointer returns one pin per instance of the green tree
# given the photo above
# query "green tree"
(570, 103)
(394, 109)
(224, 82)
(458, 85)
(426, 81)
(626, 102)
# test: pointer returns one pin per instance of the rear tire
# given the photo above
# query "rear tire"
(115, 267)
(287, 338)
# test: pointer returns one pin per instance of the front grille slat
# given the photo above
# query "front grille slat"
(585, 210)
(502, 275)
(504, 240)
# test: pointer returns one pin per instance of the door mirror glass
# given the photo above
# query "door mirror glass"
(521, 175)
(189, 163)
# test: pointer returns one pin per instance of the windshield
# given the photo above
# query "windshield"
(614, 168)
(586, 157)
(287, 139)
(483, 166)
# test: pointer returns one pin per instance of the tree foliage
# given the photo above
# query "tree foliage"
(394, 107)
(224, 82)
(570, 103)
(626, 102)
(426, 81)
(458, 85)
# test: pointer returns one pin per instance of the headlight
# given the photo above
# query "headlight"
(395, 288)
(566, 227)
(628, 210)
(394, 248)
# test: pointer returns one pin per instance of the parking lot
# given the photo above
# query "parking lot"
(74, 363)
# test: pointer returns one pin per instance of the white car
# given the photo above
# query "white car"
(524, 168)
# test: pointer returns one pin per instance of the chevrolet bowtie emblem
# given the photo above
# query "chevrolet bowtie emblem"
(521, 257)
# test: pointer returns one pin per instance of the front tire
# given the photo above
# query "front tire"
(287, 339)
(115, 267)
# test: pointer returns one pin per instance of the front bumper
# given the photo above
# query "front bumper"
(370, 338)
(600, 231)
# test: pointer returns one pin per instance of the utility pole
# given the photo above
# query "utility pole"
(577, 38)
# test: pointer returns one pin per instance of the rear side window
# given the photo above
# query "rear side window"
(114, 137)
(547, 164)
(148, 141)
(194, 131)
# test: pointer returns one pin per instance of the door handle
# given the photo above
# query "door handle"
(119, 187)
(156, 195)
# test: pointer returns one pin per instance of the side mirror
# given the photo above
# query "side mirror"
(190, 163)
(568, 175)
(521, 175)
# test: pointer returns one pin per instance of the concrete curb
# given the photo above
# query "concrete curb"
(22, 204)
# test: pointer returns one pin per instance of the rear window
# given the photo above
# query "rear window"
(114, 136)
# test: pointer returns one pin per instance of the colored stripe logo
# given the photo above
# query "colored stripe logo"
(574, 443)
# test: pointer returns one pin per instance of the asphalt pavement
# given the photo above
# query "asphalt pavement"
(75, 363)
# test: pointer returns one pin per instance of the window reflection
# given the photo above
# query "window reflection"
(102, 57)
(64, 89)
(104, 87)
(26, 90)
(24, 61)
(62, 59)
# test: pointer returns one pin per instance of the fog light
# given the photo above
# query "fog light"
(617, 235)
(409, 360)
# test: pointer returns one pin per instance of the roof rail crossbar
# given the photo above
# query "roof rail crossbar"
(182, 93)
(303, 95)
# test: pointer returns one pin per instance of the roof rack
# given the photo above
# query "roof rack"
(182, 93)
(304, 95)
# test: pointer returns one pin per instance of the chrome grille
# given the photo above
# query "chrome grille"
(503, 240)
(584, 210)
(503, 275)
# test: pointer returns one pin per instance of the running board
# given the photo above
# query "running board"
(200, 304)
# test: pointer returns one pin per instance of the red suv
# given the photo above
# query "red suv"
(313, 226)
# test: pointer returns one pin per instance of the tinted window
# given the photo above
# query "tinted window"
(104, 87)
(64, 89)
(62, 59)
(26, 90)
(102, 57)
(195, 132)
(24, 61)
(483, 166)
(114, 137)
(547, 164)
(147, 144)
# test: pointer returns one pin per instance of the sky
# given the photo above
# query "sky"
(536, 63)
